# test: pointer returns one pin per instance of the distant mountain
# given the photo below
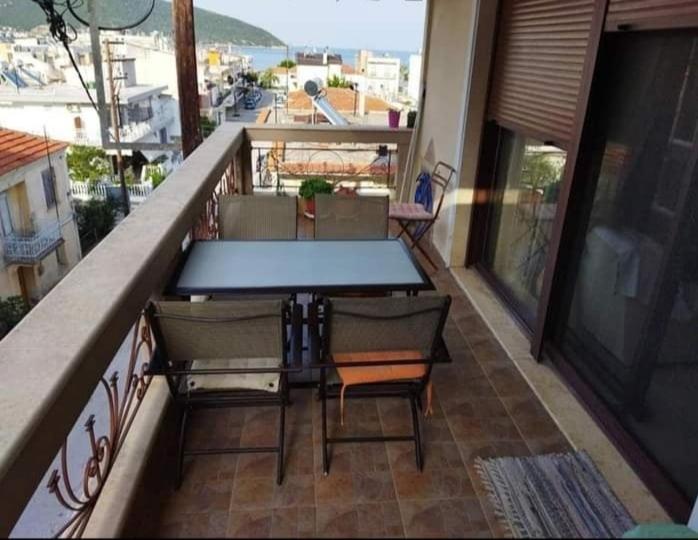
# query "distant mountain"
(209, 26)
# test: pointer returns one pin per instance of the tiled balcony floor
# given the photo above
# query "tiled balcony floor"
(483, 407)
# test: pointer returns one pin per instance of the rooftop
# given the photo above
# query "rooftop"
(317, 59)
(18, 149)
(62, 93)
(342, 99)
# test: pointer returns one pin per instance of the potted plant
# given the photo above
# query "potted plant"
(393, 117)
(411, 119)
(309, 187)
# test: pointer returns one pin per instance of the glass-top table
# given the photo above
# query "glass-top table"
(299, 266)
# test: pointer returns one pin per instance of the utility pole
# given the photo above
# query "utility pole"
(99, 75)
(116, 126)
(185, 57)
(287, 82)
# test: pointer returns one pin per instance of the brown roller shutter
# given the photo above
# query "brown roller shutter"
(637, 12)
(541, 46)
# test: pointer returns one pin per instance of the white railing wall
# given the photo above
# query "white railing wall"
(83, 191)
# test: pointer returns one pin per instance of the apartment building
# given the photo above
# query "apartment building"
(39, 240)
(383, 76)
(147, 114)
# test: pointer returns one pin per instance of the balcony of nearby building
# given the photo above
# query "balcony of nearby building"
(32, 246)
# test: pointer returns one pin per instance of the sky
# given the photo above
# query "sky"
(355, 24)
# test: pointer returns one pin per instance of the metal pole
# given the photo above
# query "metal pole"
(116, 126)
(99, 74)
(287, 81)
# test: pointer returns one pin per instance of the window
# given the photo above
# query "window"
(519, 225)
(49, 181)
(5, 216)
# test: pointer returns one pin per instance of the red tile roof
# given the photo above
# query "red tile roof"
(18, 149)
(341, 99)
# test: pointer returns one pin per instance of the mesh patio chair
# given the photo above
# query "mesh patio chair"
(339, 217)
(419, 217)
(377, 347)
(257, 217)
(225, 354)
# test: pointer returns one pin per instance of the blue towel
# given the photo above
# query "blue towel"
(424, 194)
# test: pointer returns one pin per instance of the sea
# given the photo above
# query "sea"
(266, 57)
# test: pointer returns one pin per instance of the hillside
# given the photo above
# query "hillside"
(210, 27)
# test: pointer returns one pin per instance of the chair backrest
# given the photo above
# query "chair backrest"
(355, 325)
(441, 177)
(339, 217)
(245, 330)
(257, 217)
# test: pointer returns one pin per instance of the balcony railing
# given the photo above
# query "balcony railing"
(32, 247)
(64, 349)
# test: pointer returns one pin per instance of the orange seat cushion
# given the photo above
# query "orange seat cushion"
(371, 374)
(375, 374)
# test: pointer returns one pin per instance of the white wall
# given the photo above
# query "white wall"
(414, 79)
(57, 119)
(305, 73)
(443, 111)
(383, 77)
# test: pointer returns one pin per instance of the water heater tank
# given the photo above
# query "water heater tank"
(312, 87)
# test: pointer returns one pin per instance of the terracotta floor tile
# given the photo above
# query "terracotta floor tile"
(250, 524)
(296, 522)
(337, 521)
(483, 408)
(452, 518)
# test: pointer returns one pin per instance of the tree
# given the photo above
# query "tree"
(88, 164)
(250, 77)
(156, 175)
(267, 79)
(12, 310)
(338, 82)
(286, 63)
(207, 126)
(95, 220)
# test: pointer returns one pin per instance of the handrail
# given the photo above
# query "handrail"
(51, 362)
(325, 133)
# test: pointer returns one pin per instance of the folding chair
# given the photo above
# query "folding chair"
(377, 347)
(347, 217)
(423, 218)
(225, 354)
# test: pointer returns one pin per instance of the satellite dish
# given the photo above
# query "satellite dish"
(312, 87)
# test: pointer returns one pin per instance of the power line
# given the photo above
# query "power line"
(64, 31)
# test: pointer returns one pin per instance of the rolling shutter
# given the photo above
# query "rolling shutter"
(629, 12)
(541, 46)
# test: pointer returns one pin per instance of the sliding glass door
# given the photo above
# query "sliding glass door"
(519, 224)
(629, 299)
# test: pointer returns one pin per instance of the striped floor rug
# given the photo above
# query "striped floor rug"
(553, 496)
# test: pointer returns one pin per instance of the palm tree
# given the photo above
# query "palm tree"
(267, 79)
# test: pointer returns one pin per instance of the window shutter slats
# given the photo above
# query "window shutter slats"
(538, 66)
(633, 11)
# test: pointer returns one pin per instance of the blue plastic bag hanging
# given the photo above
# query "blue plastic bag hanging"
(423, 195)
